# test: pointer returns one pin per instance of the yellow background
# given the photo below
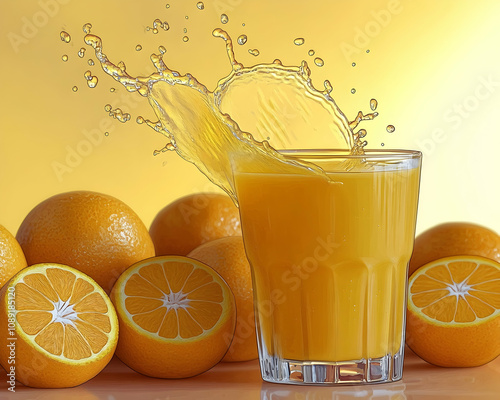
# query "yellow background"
(433, 66)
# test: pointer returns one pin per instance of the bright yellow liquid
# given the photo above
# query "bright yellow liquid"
(329, 260)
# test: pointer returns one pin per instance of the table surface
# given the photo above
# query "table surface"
(241, 381)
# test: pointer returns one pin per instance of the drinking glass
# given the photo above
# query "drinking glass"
(329, 255)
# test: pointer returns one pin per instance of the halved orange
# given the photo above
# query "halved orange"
(453, 315)
(177, 317)
(57, 325)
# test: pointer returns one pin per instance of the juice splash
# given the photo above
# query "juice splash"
(276, 103)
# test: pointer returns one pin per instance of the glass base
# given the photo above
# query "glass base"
(365, 371)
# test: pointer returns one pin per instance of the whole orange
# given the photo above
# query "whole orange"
(227, 257)
(193, 220)
(92, 232)
(12, 258)
(452, 239)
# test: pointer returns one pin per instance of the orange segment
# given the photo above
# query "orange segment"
(139, 305)
(52, 338)
(94, 302)
(33, 321)
(176, 315)
(81, 289)
(65, 320)
(62, 281)
(154, 273)
(101, 321)
(454, 311)
(142, 287)
(41, 284)
(150, 321)
(177, 275)
(170, 328)
(31, 299)
(75, 346)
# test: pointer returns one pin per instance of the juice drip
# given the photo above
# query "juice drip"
(277, 104)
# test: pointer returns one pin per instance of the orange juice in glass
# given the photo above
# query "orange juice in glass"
(329, 257)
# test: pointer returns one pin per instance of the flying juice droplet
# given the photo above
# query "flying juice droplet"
(167, 5)
(353, 64)
(112, 89)
(74, 88)
(319, 62)
(373, 104)
(299, 41)
(90, 62)
(117, 113)
(224, 19)
(158, 24)
(91, 80)
(382, 144)
(64, 58)
(367, 51)
(390, 128)
(185, 30)
(65, 37)
(185, 39)
(87, 27)
(254, 52)
(200, 5)
(311, 52)
(138, 47)
(353, 90)
(242, 39)
(81, 52)
(162, 49)
(106, 133)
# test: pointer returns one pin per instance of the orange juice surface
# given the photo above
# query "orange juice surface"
(329, 260)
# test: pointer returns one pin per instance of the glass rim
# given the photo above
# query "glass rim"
(394, 154)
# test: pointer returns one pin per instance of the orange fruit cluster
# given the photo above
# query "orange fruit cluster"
(167, 316)
(453, 317)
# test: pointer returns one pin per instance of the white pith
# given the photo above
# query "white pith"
(174, 301)
(64, 313)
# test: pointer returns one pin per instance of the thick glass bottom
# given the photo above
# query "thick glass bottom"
(364, 371)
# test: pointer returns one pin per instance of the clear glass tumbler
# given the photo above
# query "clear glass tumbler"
(329, 257)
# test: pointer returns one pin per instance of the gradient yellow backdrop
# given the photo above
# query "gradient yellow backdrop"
(432, 65)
